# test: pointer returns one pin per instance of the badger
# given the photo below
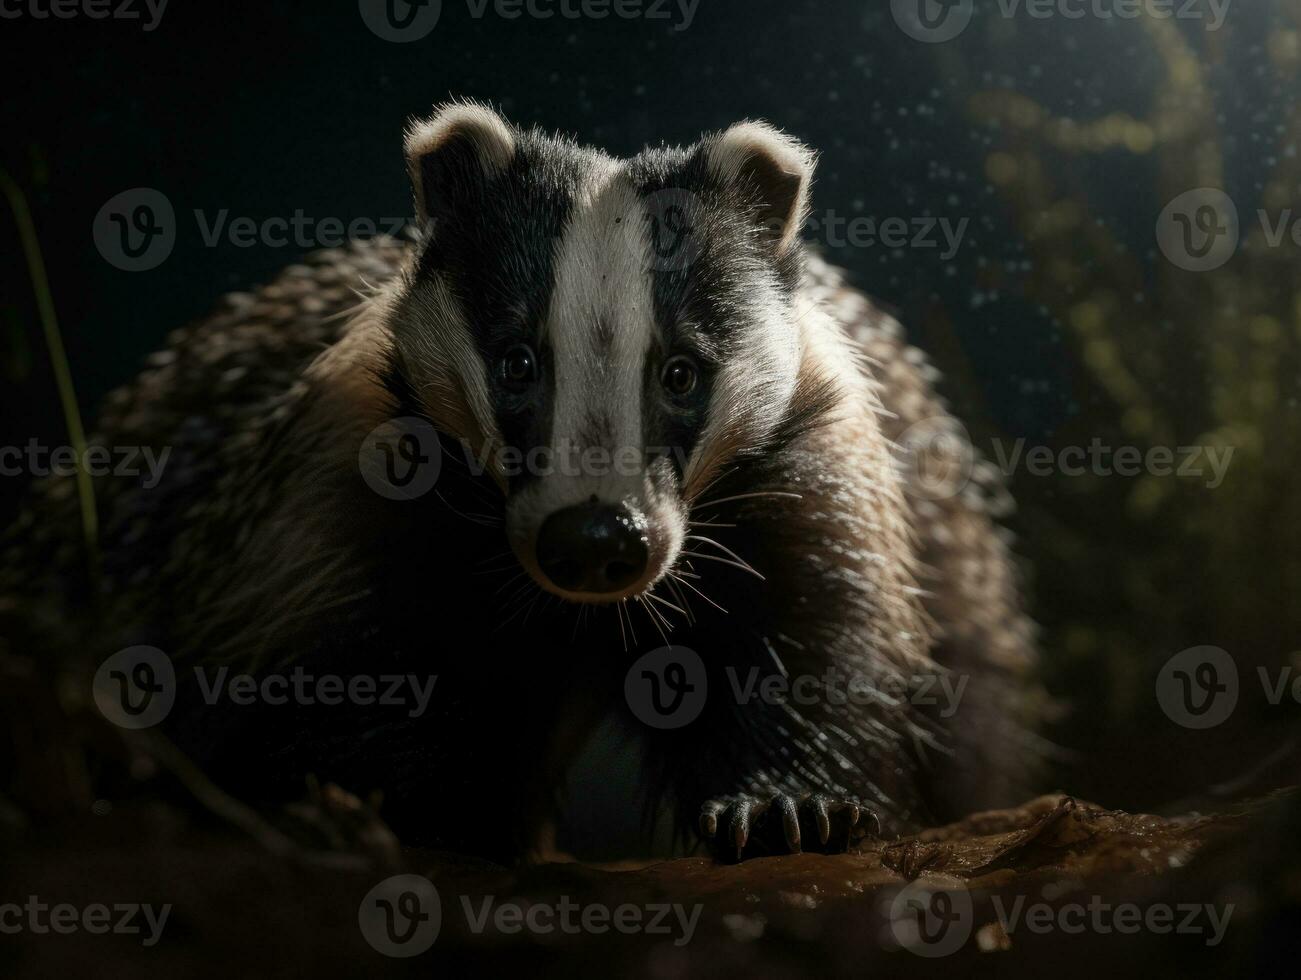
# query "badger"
(591, 410)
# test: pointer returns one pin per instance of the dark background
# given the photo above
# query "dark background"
(267, 110)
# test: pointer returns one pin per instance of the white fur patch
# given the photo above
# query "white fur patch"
(602, 287)
(601, 329)
(751, 393)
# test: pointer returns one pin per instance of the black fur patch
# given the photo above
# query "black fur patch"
(705, 305)
(494, 241)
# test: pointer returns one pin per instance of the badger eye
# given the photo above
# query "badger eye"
(518, 367)
(680, 376)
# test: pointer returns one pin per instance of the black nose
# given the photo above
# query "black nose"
(592, 548)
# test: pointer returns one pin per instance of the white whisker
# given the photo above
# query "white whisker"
(699, 593)
(723, 548)
(751, 496)
(743, 567)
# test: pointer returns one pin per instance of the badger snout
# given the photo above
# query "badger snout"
(593, 547)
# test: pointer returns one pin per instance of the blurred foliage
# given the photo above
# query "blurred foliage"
(1130, 571)
(15, 351)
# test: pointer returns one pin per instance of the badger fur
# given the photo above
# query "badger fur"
(663, 311)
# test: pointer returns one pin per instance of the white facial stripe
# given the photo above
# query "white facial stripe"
(751, 393)
(601, 324)
(454, 382)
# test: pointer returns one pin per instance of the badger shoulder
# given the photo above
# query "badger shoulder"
(182, 435)
(964, 560)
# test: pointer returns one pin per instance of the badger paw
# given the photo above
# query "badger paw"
(744, 826)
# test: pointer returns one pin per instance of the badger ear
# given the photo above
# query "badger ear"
(460, 142)
(771, 173)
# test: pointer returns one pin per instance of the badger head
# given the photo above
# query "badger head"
(609, 335)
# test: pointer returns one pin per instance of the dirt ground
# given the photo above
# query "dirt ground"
(118, 857)
(1056, 887)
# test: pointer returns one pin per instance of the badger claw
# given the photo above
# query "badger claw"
(742, 826)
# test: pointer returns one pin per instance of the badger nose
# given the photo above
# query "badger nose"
(592, 547)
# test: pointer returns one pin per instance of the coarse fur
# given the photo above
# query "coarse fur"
(784, 534)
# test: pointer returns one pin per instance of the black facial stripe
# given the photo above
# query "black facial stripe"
(494, 240)
(685, 290)
(671, 426)
(702, 306)
(726, 256)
